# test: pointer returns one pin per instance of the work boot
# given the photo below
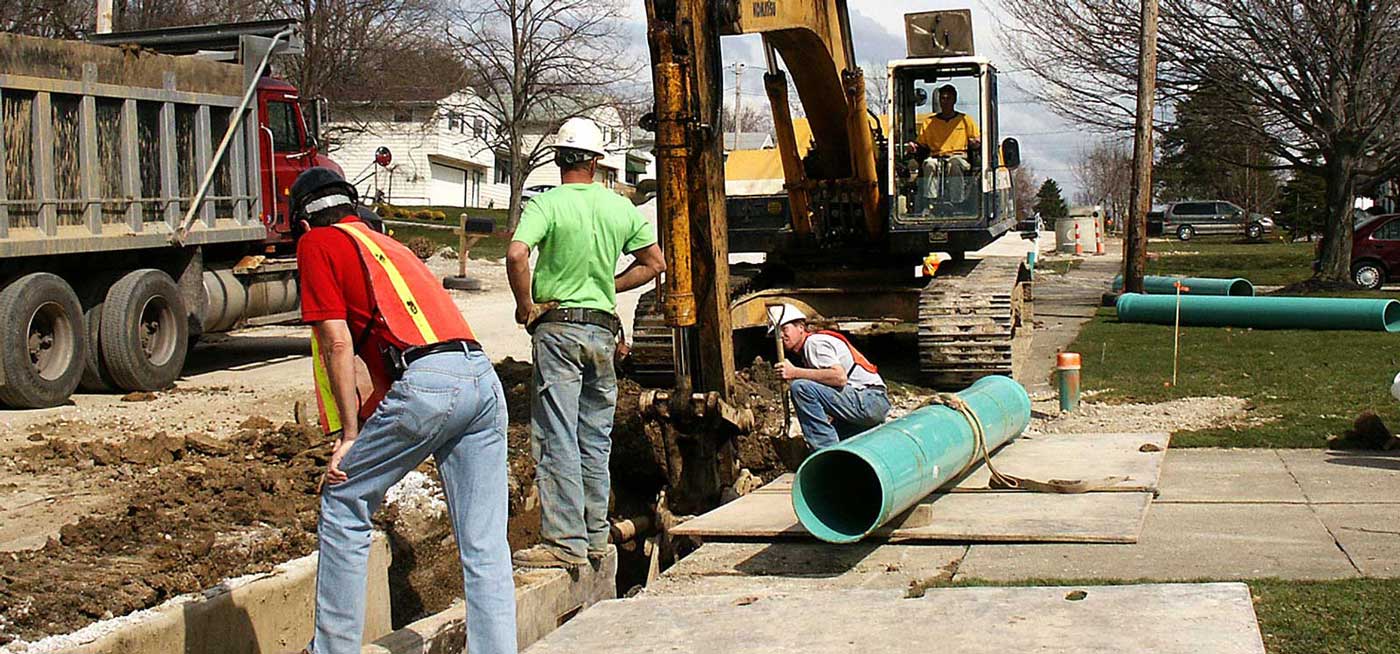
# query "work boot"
(596, 556)
(544, 556)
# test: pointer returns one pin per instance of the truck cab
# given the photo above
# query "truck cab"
(289, 147)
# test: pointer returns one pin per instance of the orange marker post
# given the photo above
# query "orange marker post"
(1067, 366)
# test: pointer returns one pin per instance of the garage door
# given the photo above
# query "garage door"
(448, 187)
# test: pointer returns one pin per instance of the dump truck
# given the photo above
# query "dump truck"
(143, 202)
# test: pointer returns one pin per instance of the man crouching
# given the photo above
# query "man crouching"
(836, 392)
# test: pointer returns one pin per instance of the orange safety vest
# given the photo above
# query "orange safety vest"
(409, 300)
(856, 356)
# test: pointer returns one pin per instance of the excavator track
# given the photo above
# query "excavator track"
(968, 318)
(652, 358)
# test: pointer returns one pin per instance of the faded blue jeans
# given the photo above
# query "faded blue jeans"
(829, 415)
(571, 420)
(449, 406)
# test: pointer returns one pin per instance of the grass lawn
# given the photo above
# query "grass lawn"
(1270, 263)
(1302, 385)
(1349, 616)
(501, 216)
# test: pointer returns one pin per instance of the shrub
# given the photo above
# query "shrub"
(421, 246)
(439, 215)
(422, 214)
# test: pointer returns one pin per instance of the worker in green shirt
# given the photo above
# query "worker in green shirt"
(581, 230)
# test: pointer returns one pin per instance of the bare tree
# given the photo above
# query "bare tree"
(1318, 79)
(754, 117)
(877, 87)
(1104, 172)
(537, 63)
(1024, 184)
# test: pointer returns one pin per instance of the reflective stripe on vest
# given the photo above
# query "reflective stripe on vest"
(856, 356)
(409, 301)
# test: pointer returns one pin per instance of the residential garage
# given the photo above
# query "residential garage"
(454, 183)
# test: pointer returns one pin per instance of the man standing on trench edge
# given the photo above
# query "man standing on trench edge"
(569, 304)
(435, 393)
(836, 392)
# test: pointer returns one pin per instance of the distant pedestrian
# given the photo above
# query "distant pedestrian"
(569, 303)
(435, 394)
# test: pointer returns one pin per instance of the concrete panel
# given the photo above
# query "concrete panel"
(718, 568)
(544, 599)
(1219, 475)
(1370, 534)
(1078, 456)
(1182, 542)
(274, 613)
(1163, 619)
(1330, 476)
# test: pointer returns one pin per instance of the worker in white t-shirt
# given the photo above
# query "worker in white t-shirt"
(836, 392)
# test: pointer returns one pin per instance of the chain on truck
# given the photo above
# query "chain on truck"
(142, 202)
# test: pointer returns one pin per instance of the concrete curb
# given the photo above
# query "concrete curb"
(273, 613)
(545, 599)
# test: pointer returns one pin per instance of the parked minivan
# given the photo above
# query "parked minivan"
(1189, 219)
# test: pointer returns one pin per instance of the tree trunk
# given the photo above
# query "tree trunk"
(1337, 231)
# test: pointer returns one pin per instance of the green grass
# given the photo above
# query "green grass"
(1269, 263)
(1302, 386)
(491, 248)
(501, 216)
(1348, 616)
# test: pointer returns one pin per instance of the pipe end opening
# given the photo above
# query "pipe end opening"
(837, 496)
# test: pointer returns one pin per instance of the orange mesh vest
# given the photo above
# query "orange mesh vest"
(856, 356)
(410, 302)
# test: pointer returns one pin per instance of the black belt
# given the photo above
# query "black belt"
(415, 353)
(584, 316)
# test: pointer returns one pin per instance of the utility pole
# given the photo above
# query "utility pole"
(738, 69)
(104, 16)
(1135, 240)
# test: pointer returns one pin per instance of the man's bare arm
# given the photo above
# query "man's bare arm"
(518, 272)
(833, 376)
(337, 349)
(648, 264)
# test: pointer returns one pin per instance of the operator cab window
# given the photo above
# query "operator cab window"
(282, 120)
(938, 163)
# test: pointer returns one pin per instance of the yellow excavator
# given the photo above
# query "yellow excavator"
(864, 201)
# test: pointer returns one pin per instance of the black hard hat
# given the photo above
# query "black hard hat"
(317, 183)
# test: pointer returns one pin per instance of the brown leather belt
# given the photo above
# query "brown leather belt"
(583, 316)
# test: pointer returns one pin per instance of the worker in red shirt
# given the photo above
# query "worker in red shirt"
(435, 393)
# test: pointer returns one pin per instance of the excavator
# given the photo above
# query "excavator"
(862, 208)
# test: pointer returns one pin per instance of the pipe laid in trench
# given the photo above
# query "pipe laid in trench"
(1263, 312)
(1164, 285)
(845, 492)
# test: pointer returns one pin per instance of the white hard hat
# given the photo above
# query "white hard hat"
(783, 314)
(580, 134)
(1395, 387)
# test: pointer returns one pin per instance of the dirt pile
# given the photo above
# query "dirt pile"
(195, 511)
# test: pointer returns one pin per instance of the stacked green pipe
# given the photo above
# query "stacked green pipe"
(1263, 312)
(844, 492)
(1163, 285)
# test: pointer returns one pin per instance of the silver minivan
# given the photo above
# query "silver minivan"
(1186, 220)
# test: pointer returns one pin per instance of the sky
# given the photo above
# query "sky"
(1049, 144)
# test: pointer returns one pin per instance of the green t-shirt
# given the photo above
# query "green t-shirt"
(581, 231)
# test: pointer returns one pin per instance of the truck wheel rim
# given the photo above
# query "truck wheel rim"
(157, 331)
(50, 341)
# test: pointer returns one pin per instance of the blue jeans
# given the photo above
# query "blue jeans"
(449, 406)
(571, 420)
(829, 415)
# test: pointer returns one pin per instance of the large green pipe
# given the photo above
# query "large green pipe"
(844, 492)
(1263, 312)
(1162, 285)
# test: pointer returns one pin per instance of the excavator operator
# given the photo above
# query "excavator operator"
(946, 145)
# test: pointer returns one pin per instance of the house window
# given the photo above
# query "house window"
(403, 115)
(479, 127)
(502, 169)
(454, 121)
(633, 177)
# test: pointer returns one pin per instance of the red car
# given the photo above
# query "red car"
(1375, 251)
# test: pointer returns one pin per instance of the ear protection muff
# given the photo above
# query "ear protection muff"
(569, 158)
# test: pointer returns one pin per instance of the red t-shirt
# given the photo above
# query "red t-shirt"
(335, 286)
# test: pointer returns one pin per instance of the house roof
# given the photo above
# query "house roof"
(748, 141)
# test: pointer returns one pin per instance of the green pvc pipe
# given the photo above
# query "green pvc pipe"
(844, 492)
(1163, 285)
(1263, 312)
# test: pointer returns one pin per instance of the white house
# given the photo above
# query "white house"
(629, 159)
(440, 156)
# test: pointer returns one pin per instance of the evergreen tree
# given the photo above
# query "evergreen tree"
(1049, 202)
(1212, 152)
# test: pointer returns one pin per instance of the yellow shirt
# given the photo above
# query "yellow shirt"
(945, 137)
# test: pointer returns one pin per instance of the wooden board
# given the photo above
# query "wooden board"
(1159, 618)
(965, 517)
(1077, 456)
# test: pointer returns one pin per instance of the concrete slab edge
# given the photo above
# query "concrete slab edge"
(544, 600)
(270, 613)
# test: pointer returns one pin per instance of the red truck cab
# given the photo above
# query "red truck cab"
(287, 149)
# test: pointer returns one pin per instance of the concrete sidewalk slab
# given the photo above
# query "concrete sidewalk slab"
(718, 568)
(1223, 475)
(1337, 476)
(1158, 618)
(1182, 541)
(1370, 534)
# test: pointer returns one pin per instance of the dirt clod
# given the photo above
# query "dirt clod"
(139, 396)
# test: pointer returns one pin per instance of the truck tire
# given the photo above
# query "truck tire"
(92, 294)
(42, 342)
(144, 331)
